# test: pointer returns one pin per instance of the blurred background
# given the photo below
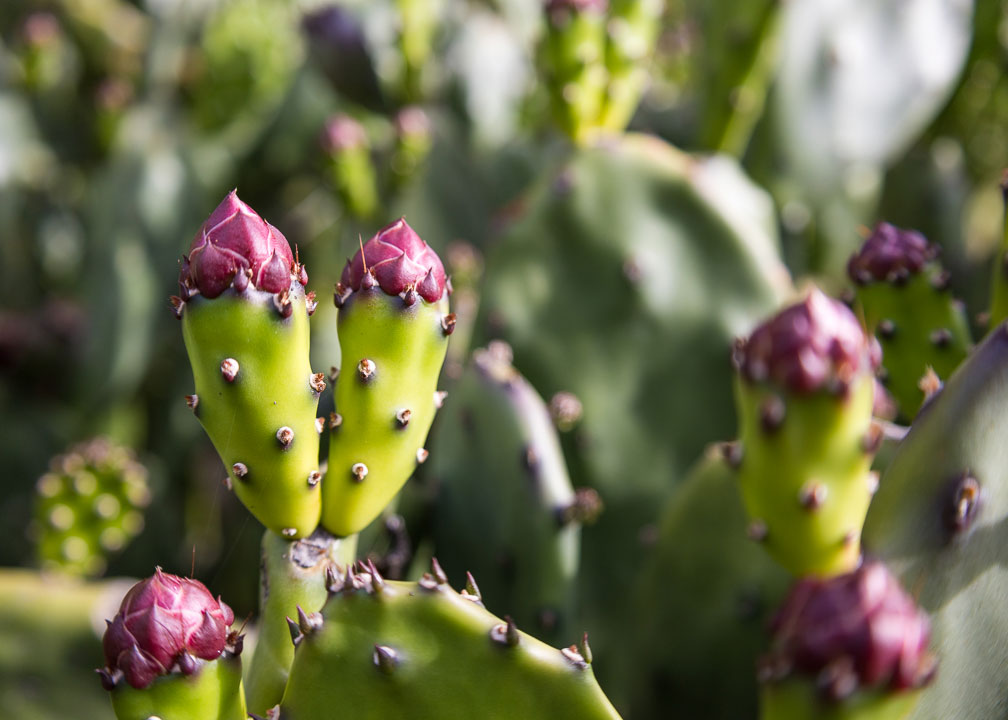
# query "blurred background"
(123, 123)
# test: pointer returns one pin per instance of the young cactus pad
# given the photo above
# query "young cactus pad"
(939, 522)
(904, 294)
(851, 647)
(393, 331)
(415, 651)
(170, 653)
(804, 393)
(244, 318)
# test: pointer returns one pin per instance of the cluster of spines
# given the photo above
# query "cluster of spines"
(88, 505)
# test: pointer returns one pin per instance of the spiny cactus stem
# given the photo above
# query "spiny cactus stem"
(812, 496)
(574, 657)
(240, 470)
(308, 623)
(229, 369)
(285, 436)
(505, 633)
(314, 478)
(437, 572)
(403, 417)
(295, 632)
(358, 471)
(317, 382)
(471, 590)
(366, 369)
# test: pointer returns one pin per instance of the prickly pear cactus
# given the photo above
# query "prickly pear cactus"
(347, 150)
(421, 650)
(939, 521)
(505, 507)
(89, 505)
(903, 293)
(244, 318)
(999, 272)
(393, 330)
(702, 603)
(805, 393)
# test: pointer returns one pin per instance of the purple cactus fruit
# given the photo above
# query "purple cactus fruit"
(813, 344)
(165, 622)
(236, 246)
(890, 254)
(852, 631)
(397, 259)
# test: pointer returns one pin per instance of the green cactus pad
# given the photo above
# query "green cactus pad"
(384, 649)
(999, 271)
(262, 421)
(798, 700)
(385, 399)
(89, 505)
(506, 510)
(939, 522)
(805, 481)
(214, 692)
(632, 31)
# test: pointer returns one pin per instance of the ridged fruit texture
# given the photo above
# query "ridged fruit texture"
(939, 521)
(393, 329)
(89, 505)
(506, 509)
(244, 318)
(415, 651)
(903, 292)
(804, 391)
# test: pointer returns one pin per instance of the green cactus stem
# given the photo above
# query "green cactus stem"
(393, 329)
(999, 273)
(421, 650)
(903, 292)
(244, 316)
(294, 575)
(804, 391)
(214, 693)
(632, 31)
(506, 509)
(348, 154)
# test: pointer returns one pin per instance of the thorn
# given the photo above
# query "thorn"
(289, 532)
(403, 417)
(941, 338)
(309, 623)
(505, 633)
(574, 657)
(333, 579)
(812, 496)
(295, 632)
(192, 401)
(421, 456)
(229, 369)
(439, 398)
(335, 420)
(448, 324)
(311, 304)
(886, 329)
(241, 279)
(428, 582)
(771, 412)
(961, 510)
(437, 572)
(109, 678)
(285, 436)
(320, 424)
(366, 369)
(333, 374)
(385, 659)
(368, 281)
(930, 383)
(586, 652)
(240, 470)
(314, 478)
(186, 663)
(358, 471)
(178, 305)
(283, 304)
(732, 453)
(340, 294)
(377, 581)
(471, 590)
(757, 531)
(409, 296)
(317, 382)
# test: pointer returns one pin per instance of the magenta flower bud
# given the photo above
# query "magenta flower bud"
(165, 622)
(807, 346)
(397, 259)
(559, 11)
(342, 132)
(235, 241)
(890, 254)
(852, 631)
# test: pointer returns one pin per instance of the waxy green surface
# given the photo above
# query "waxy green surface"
(214, 692)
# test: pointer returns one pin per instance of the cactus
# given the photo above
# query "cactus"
(245, 322)
(632, 31)
(88, 505)
(506, 510)
(169, 652)
(419, 650)
(852, 647)
(348, 153)
(393, 329)
(701, 603)
(999, 275)
(938, 521)
(903, 293)
(805, 396)
(293, 576)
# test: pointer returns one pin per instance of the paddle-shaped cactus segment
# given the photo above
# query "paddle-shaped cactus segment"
(170, 653)
(903, 292)
(245, 322)
(393, 329)
(851, 647)
(939, 521)
(631, 33)
(804, 392)
(999, 275)
(293, 575)
(506, 510)
(415, 651)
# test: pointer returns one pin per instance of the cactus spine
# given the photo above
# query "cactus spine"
(393, 328)
(244, 316)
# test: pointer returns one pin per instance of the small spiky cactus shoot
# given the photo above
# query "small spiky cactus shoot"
(244, 318)
(170, 653)
(89, 505)
(393, 330)
(853, 647)
(804, 393)
(904, 294)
